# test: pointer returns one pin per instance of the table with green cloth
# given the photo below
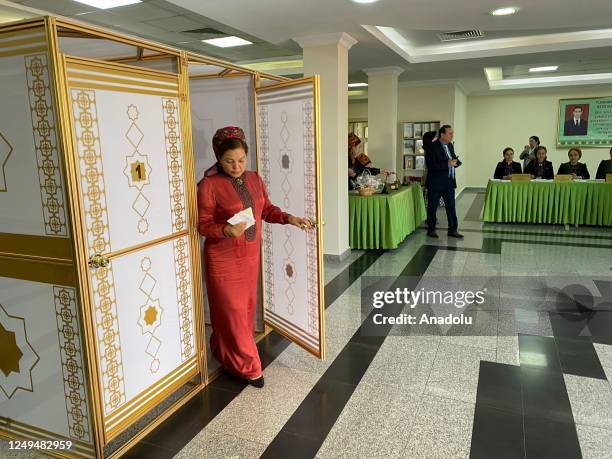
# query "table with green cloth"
(382, 221)
(567, 203)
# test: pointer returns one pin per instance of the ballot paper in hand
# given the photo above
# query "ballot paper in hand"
(245, 215)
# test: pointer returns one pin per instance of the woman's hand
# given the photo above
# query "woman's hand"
(351, 173)
(302, 223)
(234, 230)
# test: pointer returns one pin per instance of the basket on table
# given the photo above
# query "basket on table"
(367, 184)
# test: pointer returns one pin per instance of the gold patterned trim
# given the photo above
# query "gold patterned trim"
(45, 141)
(150, 398)
(174, 158)
(104, 78)
(183, 298)
(71, 352)
(85, 119)
(24, 51)
(37, 270)
(115, 88)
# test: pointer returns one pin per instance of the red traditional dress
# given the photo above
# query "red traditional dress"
(232, 265)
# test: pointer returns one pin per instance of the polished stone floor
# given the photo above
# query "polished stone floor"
(534, 382)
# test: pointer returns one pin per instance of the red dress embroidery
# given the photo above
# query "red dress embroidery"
(231, 268)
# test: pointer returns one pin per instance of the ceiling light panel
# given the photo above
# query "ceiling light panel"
(107, 4)
(227, 42)
(506, 11)
(357, 85)
(546, 68)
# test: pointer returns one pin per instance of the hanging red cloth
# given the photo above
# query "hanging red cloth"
(231, 265)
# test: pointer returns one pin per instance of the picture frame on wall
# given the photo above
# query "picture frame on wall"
(408, 147)
(418, 130)
(408, 162)
(585, 122)
(408, 130)
(419, 162)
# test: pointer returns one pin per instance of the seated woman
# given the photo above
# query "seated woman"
(507, 167)
(605, 167)
(540, 168)
(574, 167)
(357, 161)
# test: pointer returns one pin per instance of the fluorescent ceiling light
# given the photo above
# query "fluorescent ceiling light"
(546, 68)
(357, 85)
(365, 1)
(504, 11)
(227, 42)
(106, 4)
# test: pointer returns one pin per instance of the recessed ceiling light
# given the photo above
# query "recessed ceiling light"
(106, 4)
(546, 68)
(357, 85)
(504, 11)
(365, 1)
(227, 42)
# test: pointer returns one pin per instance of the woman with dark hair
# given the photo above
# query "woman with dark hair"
(357, 160)
(231, 252)
(605, 167)
(574, 167)
(507, 167)
(540, 167)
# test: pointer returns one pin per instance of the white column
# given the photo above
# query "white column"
(327, 56)
(382, 116)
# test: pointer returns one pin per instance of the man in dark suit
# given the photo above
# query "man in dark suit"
(441, 162)
(576, 125)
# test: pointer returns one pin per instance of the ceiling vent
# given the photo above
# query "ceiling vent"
(205, 30)
(460, 35)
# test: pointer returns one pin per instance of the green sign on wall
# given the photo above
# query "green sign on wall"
(585, 122)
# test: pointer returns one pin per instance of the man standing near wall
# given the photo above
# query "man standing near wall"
(441, 162)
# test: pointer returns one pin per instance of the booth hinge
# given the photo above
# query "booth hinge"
(98, 261)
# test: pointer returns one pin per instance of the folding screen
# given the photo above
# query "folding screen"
(288, 162)
(43, 383)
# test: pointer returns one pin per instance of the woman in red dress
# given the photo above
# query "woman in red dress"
(231, 252)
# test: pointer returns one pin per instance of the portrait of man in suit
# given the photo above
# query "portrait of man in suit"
(576, 123)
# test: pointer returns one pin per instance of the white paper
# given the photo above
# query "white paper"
(245, 215)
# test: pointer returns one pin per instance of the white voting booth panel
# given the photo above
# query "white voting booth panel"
(129, 151)
(43, 385)
(292, 258)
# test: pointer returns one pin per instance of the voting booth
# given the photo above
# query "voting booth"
(103, 138)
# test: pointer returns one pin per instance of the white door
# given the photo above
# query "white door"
(288, 162)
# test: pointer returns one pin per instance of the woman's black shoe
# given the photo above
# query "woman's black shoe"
(259, 382)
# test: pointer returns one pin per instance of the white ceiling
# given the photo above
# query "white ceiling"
(271, 25)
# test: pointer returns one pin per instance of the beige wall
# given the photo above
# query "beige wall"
(499, 121)
(460, 119)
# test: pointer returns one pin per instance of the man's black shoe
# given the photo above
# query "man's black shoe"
(432, 234)
(456, 234)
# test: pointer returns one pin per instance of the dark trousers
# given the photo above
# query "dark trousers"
(433, 200)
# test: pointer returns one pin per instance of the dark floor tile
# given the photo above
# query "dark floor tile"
(492, 245)
(545, 395)
(271, 347)
(600, 324)
(287, 444)
(350, 274)
(146, 450)
(569, 325)
(539, 352)
(499, 387)
(497, 434)
(351, 364)
(545, 438)
(420, 261)
(578, 357)
(317, 414)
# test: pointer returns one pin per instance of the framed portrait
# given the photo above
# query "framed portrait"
(408, 162)
(418, 130)
(408, 147)
(420, 162)
(408, 132)
(585, 122)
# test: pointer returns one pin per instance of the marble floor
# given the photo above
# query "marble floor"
(532, 382)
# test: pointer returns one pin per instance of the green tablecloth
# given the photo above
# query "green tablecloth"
(582, 203)
(382, 221)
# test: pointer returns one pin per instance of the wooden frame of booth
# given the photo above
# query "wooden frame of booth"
(71, 264)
